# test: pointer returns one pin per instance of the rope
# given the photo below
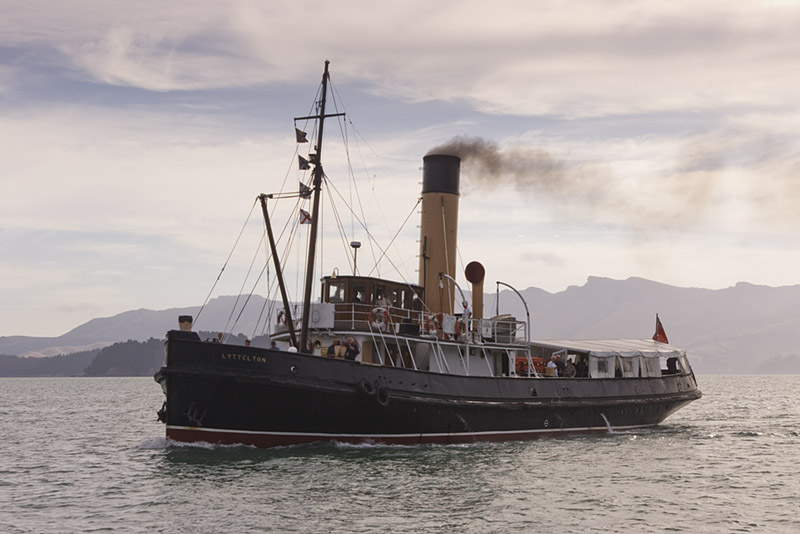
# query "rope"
(241, 289)
(396, 234)
(372, 238)
(226, 262)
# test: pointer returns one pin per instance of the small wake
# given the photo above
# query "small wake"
(166, 443)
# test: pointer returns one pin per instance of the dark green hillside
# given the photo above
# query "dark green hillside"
(143, 358)
(129, 358)
(63, 365)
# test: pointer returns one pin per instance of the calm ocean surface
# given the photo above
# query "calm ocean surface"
(87, 455)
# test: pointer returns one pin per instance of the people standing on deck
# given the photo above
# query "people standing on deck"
(552, 368)
(560, 365)
(351, 349)
(334, 348)
(582, 370)
(569, 369)
(274, 346)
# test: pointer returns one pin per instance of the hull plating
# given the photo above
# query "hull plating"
(230, 394)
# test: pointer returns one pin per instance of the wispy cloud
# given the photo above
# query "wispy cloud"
(658, 139)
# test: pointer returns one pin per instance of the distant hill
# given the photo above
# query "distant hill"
(131, 358)
(126, 358)
(134, 358)
(64, 365)
(741, 329)
(139, 325)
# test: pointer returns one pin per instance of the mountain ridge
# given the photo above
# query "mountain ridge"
(740, 328)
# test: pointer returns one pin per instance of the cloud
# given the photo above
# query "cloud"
(155, 124)
(579, 60)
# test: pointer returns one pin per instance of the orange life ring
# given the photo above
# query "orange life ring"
(431, 323)
(379, 318)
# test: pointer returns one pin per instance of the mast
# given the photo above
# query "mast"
(279, 273)
(312, 241)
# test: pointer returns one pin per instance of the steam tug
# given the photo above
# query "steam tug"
(389, 361)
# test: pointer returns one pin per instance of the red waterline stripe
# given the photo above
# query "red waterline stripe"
(277, 439)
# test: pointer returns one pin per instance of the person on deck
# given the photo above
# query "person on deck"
(333, 349)
(382, 301)
(560, 365)
(582, 371)
(351, 349)
(552, 368)
(569, 370)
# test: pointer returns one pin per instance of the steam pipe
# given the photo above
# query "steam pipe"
(527, 320)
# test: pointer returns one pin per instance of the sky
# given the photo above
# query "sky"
(615, 139)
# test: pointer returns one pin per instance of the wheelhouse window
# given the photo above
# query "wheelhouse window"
(359, 294)
(371, 292)
(335, 292)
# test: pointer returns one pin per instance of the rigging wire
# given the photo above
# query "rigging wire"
(292, 231)
(371, 237)
(266, 306)
(241, 291)
(214, 285)
(252, 291)
(351, 178)
(339, 225)
(397, 233)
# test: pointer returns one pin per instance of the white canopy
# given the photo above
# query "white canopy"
(638, 357)
(627, 348)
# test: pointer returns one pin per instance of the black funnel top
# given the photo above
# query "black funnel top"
(440, 173)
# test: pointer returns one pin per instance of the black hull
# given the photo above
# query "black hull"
(231, 394)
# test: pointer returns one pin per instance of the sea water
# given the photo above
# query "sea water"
(87, 455)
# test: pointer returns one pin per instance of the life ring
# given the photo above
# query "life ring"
(379, 318)
(382, 396)
(461, 328)
(433, 323)
(366, 387)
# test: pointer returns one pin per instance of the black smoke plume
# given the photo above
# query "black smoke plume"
(588, 189)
